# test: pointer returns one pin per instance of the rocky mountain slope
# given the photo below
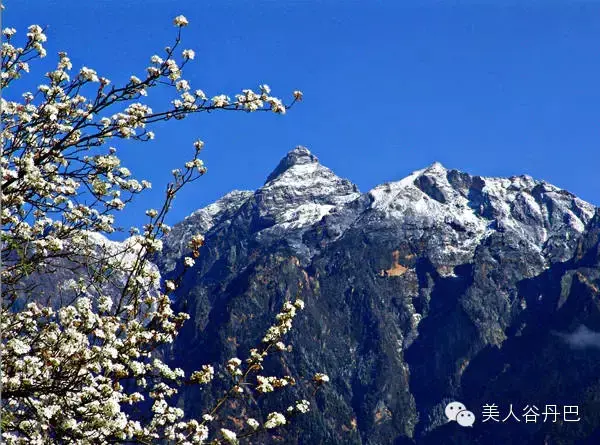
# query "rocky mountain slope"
(441, 286)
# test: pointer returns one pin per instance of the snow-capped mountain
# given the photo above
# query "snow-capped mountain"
(300, 192)
(201, 221)
(458, 210)
(56, 284)
(440, 286)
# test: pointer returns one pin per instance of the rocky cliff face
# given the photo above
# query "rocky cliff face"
(437, 287)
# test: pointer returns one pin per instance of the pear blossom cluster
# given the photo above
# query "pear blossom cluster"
(80, 366)
(320, 378)
(248, 382)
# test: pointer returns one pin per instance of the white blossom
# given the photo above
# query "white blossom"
(188, 54)
(274, 420)
(19, 347)
(89, 74)
(229, 436)
(204, 375)
(180, 21)
(63, 185)
(303, 406)
(320, 378)
(9, 32)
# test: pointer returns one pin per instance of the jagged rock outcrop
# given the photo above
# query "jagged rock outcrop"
(439, 286)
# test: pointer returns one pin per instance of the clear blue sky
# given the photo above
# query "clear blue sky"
(489, 87)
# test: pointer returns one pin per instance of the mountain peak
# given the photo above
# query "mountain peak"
(298, 156)
(300, 192)
(435, 167)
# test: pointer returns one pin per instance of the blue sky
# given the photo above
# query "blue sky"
(493, 88)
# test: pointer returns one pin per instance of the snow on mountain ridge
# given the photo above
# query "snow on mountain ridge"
(211, 212)
(534, 211)
(426, 201)
(298, 156)
(57, 283)
(464, 209)
(301, 191)
(200, 221)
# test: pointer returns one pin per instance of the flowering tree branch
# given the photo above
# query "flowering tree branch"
(77, 362)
